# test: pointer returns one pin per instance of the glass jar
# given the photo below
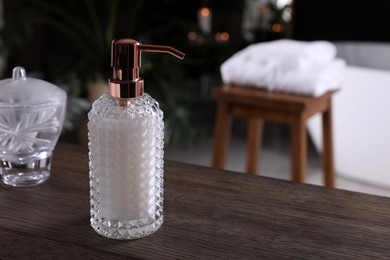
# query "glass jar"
(32, 113)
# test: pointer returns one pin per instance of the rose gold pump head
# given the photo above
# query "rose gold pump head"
(125, 63)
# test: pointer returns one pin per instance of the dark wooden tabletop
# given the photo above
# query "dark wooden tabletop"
(208, 214)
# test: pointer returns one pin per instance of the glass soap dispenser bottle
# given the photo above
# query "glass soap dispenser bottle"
(126, 142)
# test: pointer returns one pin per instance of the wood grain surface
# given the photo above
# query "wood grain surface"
(208, 214)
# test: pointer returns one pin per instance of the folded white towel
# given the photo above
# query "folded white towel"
(286, 65)
(314, 82)
(287, 54)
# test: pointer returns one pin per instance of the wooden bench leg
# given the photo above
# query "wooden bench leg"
(298, 149)
(254, 138)
(327, 152)
(221, 135)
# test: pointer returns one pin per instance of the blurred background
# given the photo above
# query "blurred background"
(68, 43)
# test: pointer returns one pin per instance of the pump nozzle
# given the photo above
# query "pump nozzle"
(160, 48)
(126, 61)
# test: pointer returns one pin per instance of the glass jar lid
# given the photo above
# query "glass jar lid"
(21, 91)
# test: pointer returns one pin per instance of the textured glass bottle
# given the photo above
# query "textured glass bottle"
(126, 177)
(126, 132)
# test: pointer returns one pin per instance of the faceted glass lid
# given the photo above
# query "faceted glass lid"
(21, 91)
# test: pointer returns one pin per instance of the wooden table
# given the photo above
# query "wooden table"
(209, 214)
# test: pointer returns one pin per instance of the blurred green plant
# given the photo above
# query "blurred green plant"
(279, 14)
(68, 43)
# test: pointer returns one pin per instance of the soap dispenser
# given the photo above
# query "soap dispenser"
(126, 149)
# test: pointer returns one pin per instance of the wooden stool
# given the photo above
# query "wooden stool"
(258, 105)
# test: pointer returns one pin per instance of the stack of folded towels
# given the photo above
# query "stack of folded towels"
(308, 68)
